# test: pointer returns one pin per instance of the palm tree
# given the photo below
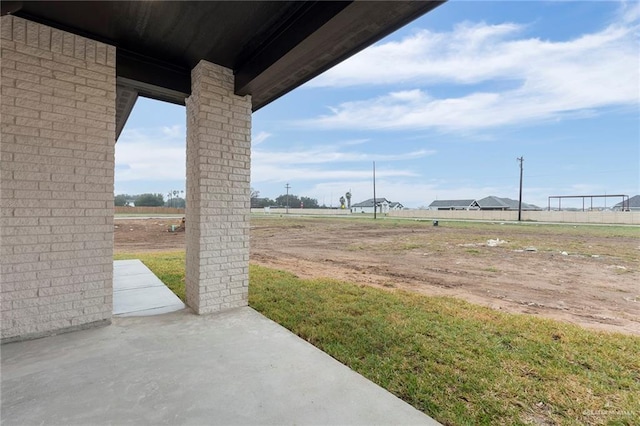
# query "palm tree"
(348, 195)
(342, 202)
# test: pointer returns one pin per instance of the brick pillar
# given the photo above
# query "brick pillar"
(56, 182)
(218, 198)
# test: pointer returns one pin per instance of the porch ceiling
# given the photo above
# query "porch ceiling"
(272, 46)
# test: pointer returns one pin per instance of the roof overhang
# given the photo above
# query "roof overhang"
(272, 46)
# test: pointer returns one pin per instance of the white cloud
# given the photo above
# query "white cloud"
(327, 162)
(174, 131)
(629, 12)
(355, 142)
(552, 79)
(259, 138)
(273, 173)
(465, 55)
(151, 155)
(330, 154)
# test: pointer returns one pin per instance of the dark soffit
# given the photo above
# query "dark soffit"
(272, 46)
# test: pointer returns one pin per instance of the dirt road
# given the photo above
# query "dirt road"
(584, 275)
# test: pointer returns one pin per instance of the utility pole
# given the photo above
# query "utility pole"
(287, 187)
(521, 160)
(374, 191)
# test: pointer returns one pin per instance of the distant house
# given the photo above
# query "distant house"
(496, 203)
(382, 206)
(454, 205)
(633, 204)
(393, 205)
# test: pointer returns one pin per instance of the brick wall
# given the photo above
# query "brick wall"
(218, 198)
(56, 182)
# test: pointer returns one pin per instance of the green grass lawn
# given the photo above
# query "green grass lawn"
(455, 361)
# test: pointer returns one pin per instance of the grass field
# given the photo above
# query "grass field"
(455, 361)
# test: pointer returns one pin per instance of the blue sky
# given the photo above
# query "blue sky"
(444, 107)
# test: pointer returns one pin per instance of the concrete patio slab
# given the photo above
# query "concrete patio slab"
(236, 367)
(138, 292)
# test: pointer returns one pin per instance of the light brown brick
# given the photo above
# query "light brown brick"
(6, 27)
(33, 34)
(44, 41)
(77, 81)
(90, 51)
(32, 51)
(33, 122)
(58, 84)
(50, 85)
(56, 41)
(33, 104)
(34, 87)
(19, 30)
(68, 44)
(15, 74)
(91, 75)
(79, 50)
(17, 56)
(212, 173)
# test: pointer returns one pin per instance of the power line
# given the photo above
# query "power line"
(375, 208)
(521, 160)
(287, 186)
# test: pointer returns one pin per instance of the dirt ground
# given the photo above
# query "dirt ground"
(580, 274)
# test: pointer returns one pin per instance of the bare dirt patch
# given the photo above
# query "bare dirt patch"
(147, 235)
(584, 275)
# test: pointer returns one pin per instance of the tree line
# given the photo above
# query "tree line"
(148, 200)
(294, 202)
(284, 200)
(158, 200)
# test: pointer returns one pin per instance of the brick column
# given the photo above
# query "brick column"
(56, 182)
(218, 198)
